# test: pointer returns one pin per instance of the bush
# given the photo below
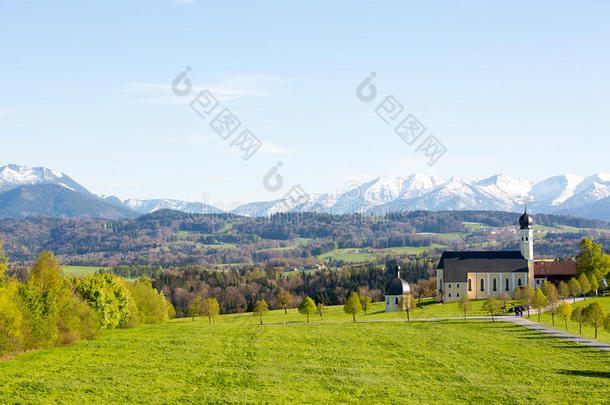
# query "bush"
(151, 306)
(11, 318)
(110, 298)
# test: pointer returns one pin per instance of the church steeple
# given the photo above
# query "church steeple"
(526, 232)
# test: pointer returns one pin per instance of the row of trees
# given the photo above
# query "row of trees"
(48, 309)
(551, 298)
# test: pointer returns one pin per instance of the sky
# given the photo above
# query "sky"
(520, 88)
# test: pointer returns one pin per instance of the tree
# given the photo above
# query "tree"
(595, 315)
(195, 307)
(525, 295)
(577, 316)
(307, 307)
(284, 298)
(365, 302)
(491, 306)
(464, 305)
(574, 286)
(406, 304)
(565, 311)
(260, 309)
(3, 263)
(211, 309)
(550, 292)
(505, 297)
(539, 302)
(321, 310)
(592, 258)
(585, 286)
(352, 305)
(563, 289)
(593, 281)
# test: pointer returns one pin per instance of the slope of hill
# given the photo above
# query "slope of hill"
(57, 201)
(172, 238)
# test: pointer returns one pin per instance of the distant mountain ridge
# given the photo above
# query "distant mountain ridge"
(563, 194)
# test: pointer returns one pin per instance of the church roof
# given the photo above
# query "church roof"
(397, 286)
(556, 268)
(457, 265)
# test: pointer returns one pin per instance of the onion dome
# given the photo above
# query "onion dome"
(397, 286)
(526, 221)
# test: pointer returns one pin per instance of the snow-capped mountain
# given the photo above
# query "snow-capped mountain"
(148, 206)
(559, 194)
(563, 194)
(13, 176)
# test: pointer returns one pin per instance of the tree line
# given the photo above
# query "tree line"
(48, 309)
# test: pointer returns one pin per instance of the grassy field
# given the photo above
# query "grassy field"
(587, 331)
(238, 361)
(80, 270)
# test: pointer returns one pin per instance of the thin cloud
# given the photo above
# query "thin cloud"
(229, 88)
(269, 147)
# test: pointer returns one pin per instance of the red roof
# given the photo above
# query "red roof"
(557, 268)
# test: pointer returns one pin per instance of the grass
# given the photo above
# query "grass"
(238, 361)
(80, 270)
(350, 255)
(603, 335)
(358, 255)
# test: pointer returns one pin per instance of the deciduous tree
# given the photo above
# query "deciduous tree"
(406, 304)
(577, 316)
(307, 307)
(550, 292)
(284, 298)
(595, 315)
(321, 310)
(539, 302)
(585, 286)
(464, 305)
(565, 311)
(574, 286)
(491, 306)
(563, 289)
(525, 297)
(211, 309)
(260, 308)
(365, 302)
(352, 305)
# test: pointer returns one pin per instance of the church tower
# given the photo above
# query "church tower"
(526, 232)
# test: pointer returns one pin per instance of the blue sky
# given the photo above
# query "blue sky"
(520, 88)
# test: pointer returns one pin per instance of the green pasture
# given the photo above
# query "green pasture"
(239, 361)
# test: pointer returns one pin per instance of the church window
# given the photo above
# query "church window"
(449, 285)
(457, 286)
(519, 282)
(469, 285)
(396, 300)
(449, 295)
(507, 286)
(458, 295)
(482, 285)
(495, 285)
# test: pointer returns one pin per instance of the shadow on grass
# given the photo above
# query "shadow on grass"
(586, 373)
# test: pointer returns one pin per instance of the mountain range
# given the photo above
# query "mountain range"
(26, 191)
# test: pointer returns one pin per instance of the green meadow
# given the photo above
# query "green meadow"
(239, 361)
(80, 270)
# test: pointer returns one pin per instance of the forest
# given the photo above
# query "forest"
(170, 238)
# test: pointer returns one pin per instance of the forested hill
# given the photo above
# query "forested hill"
(176, 238)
